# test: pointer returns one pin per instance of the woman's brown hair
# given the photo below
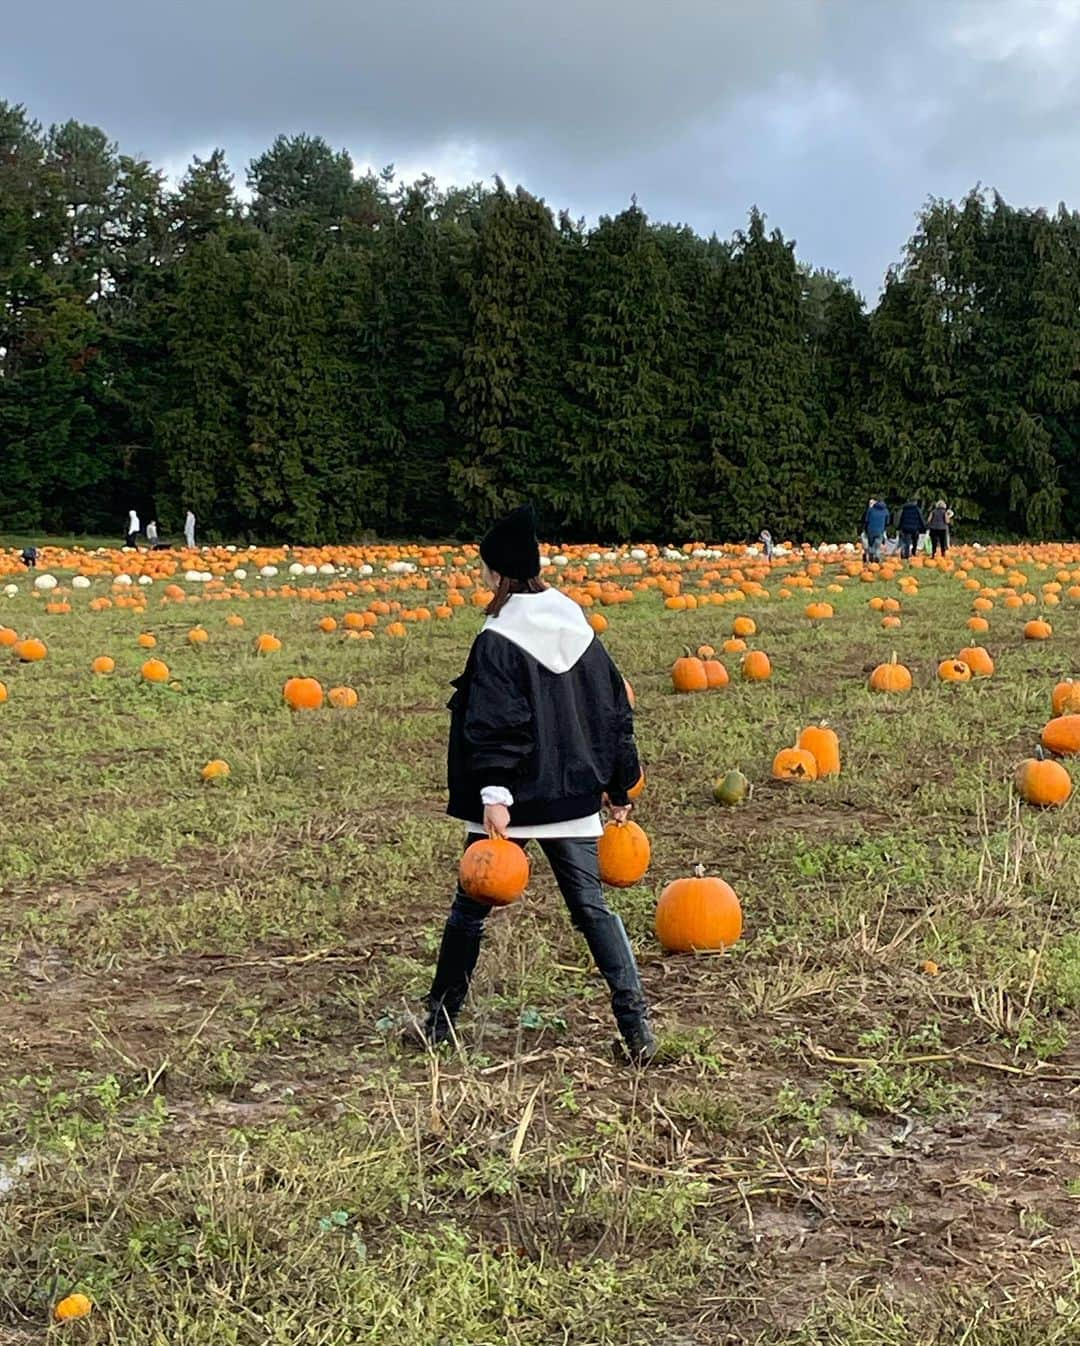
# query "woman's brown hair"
(507, 588)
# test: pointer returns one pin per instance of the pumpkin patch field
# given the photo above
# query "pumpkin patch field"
(224, 868)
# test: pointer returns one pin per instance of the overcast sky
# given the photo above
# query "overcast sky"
(838, 118)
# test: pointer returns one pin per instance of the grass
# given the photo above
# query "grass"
(209, 1122)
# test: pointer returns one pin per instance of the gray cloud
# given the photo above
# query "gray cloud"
(837, 117)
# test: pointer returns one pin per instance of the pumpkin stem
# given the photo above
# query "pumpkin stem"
(1040, 756)
(699, 871)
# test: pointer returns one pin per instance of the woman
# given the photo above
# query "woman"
(541, 730)
(938, 527)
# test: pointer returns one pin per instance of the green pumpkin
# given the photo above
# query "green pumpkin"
(732, 789)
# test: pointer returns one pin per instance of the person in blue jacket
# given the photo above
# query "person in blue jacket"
(911, 525)
(875, 522)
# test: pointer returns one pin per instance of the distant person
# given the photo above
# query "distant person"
(912, 525)
(133, 527)
(151, 533)
(875, 522)
(765, 538)
(28, 556)
(938, 526)
(189, 530)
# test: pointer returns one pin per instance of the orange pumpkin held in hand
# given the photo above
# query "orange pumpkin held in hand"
(624, 853)
(495, 871)
(698, 914)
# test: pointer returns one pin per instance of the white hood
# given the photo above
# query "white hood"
(549, 626)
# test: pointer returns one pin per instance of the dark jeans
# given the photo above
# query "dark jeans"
(874, 543)
(939, 540)
(574, 863)
(908, 543)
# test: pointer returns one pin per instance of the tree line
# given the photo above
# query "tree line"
(339, 356)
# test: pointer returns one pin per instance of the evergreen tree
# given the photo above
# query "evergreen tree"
(759, 393)
(623, 448)
(510, 394)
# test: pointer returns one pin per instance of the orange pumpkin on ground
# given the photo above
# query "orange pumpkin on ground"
(794, 764)
(197, 636)
(8, 637)
(823, 744)
(303, 694)
(624, 853)
(72, 1307)
(146, 641)
(1062, 736)
(1043, 783)
(979, 624)
(103, 665)
(716, 675)
(215, 770)
(1065, 699)
(688, 675)
(698, 914)
(819, 612)
(3, 693)
(756, 666)
(327, 625)
(978, 660)
(1038, 630)
(343, 698)
(155, 670)
(495, 871)
(31, 651)
(744, 626)
(953, 670)
(890, 677)
(267, 643)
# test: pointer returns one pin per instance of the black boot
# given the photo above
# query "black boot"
(458, 953)
(638, 1046)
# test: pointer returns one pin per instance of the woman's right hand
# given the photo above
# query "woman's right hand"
(496, 820)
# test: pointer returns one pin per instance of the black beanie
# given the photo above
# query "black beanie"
(511, 548)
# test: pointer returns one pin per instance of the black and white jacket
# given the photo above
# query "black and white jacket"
(541, 711)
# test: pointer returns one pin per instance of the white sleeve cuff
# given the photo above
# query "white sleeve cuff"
(496, 794)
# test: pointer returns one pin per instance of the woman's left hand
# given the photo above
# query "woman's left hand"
(496, 820)
(620, 813)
